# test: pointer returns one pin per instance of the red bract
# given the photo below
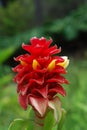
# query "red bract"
(39, 74)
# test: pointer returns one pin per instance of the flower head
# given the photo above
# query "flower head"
(39, 74)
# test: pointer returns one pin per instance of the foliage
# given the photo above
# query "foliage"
(70, 26)
(5, 75)
(54, 9)
(16, 17)
(76, 112)
(19, 16)
(6, 53)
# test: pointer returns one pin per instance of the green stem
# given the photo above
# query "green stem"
(39, 123)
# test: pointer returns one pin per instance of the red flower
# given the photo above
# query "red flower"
(39, 76)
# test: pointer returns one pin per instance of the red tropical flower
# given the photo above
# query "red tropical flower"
(39, 74)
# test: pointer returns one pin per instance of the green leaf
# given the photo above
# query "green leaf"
(49, 121)
(70, 32)
(17, 124)
(21, 124)
(61, 122)
(6, 53)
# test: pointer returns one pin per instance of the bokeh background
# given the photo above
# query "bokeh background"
(66, 22)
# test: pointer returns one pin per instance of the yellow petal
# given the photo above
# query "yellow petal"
(51, 65)
(65, 63)
(35, 64)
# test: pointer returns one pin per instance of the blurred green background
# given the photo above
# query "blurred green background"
(66, 22)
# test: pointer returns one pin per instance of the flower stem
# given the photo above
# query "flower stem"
(39, 123)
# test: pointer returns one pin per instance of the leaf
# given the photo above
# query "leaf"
(6, 53)
(55, 105)
(61, 122)
(17, 124)
(49, 121)
(21, 124)
(70, 32)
